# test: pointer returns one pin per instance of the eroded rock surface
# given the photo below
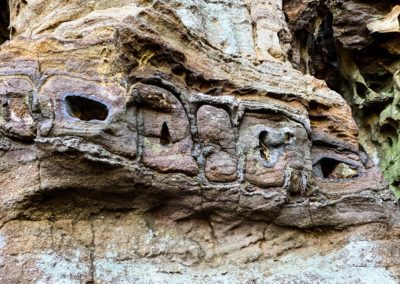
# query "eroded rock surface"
(355, 47)
(173, 142)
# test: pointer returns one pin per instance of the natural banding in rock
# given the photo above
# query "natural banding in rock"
(198, 141)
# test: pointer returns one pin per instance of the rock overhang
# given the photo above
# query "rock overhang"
(184, 120)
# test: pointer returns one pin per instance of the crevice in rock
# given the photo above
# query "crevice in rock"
(264, 148)
(165, 136)
(314, 45)
(324, 53)
(4, 21)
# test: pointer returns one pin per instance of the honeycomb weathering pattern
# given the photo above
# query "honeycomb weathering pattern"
(171, 121)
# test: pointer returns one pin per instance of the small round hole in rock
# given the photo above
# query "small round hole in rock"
(86, 109)
(288, 137)
(165, 137)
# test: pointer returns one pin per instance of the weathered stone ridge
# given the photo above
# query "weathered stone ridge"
(173, 141)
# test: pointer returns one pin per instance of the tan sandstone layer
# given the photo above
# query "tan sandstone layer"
(174, 141)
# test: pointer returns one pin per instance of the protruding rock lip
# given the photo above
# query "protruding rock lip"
(74, 159)
(124, 153)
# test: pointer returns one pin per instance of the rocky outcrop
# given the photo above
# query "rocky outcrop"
(172, 141)
(354, 46)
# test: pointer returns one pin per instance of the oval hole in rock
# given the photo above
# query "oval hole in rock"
(86, 109)
(264, 148)
(361, 90)
(334, 169)
(165, 137)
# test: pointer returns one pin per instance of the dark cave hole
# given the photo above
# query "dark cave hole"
(328, 166)
(396, 183)
(325, 52)
(377, 107)
(305, 42)
(165, 137)
(4, 21)
(318, 52)
(334, 169)
(326, 40)
(361, 90)
(379, 83)
(263, 138)
(389, 126)
(389, 131)
(86, 109)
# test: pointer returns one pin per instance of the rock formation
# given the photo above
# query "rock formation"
(354, 46)
(183, 141)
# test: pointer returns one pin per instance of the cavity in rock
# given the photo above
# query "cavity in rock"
(86, 109)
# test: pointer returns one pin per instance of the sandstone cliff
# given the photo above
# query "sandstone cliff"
(198, 141)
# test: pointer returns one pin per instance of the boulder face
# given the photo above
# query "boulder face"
(175, 141)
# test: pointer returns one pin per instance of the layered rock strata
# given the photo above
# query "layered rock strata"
(171, 141)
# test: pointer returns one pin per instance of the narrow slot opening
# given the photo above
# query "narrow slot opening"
(165, 137)
(86, 109)
(263, 144)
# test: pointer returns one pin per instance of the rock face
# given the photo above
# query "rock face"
(355, 47)
(174, 141)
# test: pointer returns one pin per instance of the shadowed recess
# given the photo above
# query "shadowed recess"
(264, 147)
(85, 109)
(165, 138)
(4, 21)
(334, 169)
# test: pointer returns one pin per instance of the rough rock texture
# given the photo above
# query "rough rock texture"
(175, 142)
(355, 46)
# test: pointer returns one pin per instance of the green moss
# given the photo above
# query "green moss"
(390, 165)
